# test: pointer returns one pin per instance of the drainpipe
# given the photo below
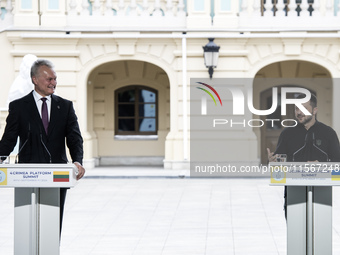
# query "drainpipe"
(39, 12)
(185, 101)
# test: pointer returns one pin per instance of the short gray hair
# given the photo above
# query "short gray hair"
(37, 64)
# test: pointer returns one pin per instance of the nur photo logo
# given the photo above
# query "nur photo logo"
(241, 99)
(204, 99)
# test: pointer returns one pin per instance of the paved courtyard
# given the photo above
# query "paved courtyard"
(150, 211)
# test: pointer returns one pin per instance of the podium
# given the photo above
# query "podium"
(36, 204)
(309, 204)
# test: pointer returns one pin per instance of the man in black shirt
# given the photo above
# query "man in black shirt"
(304, 143)
(309, 141)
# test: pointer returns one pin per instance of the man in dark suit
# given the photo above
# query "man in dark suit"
(43, 121)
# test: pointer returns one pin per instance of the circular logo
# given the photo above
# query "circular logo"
(278, 176)
(2, 176)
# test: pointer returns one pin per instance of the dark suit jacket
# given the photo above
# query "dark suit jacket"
(24, 121)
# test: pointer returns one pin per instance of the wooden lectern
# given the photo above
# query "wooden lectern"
(36, 204)
(309, 204)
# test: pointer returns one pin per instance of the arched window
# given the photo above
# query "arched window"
(136, 111)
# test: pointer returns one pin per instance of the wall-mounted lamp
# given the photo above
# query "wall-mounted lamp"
(211, 55)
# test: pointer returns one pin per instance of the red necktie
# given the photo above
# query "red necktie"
(44, 114)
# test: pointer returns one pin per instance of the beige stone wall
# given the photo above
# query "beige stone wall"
(128, 56)
(90, 69)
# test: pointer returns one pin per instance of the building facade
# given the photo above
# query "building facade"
(127, 65)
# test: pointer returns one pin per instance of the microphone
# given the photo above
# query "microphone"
(20, 149)
(300, 148)
(327, 159)
(49, 154)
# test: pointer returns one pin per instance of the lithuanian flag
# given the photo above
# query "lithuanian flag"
(61, 176)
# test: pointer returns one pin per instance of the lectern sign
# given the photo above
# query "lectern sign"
(3, 176)
(305, 173)
(278, 174)
(34, 175)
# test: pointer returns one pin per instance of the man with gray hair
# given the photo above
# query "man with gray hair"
(43, 121)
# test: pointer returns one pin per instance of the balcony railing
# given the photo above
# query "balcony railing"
(170, 14)
(125, 14)
(298, 14)
(302, 8)
(126, 8)
(117, 14)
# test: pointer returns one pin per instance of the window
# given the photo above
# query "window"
(53, 4)
(225, 5)
(199, 5)
(136, 111)
(26, 4)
